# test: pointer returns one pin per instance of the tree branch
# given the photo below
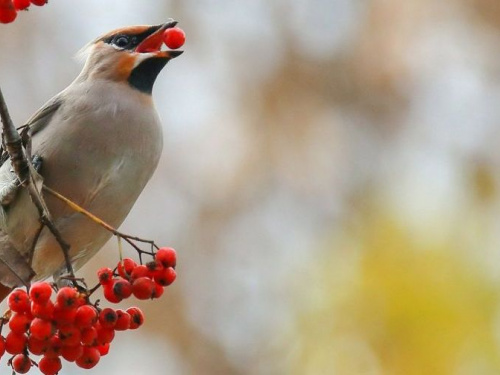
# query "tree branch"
(23, 169)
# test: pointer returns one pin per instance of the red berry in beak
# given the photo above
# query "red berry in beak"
(174, 38)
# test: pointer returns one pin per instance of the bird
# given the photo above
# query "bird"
(98, 143)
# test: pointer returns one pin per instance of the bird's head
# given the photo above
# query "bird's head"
(131, 55)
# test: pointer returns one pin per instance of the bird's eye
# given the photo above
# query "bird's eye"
(121, 41)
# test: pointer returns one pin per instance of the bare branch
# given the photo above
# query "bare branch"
(23, 169)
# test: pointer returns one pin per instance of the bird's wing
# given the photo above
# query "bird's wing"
(43, 116)
(37, 122)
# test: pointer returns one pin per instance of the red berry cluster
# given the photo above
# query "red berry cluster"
(69, 326)
(9, 8)
(174, 37)
(144, 281)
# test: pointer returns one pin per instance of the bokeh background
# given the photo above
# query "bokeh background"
(330, 179)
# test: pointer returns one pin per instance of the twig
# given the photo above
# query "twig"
(20, 163)
(102, 223)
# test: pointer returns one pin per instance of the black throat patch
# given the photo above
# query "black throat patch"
(144, 75)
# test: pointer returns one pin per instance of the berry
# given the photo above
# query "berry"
(89, 358)
(143, 288)
(137, 317)
(165, 277)
(54, 347)
(109, 293)
(19, 323)
(40, 292)
(174, 37)
(122, 321)
(105, 275)
(139, 271)
(49, 366)
(88, 336)
(39, 2)
(18, 300)
(7, 12)
(69, 335)
(2, 346)
(68, 297)
(108, 317)
(21, 363)
(35, 346)
(105, 335)
(166, 255)
(86, 316)
(64, 315)
(41, 329)
(15, 343)
(103, 349)
(122, 289)
(21, 4)
(72, 353)
(158, 292)
(125, 267)
(45, 311)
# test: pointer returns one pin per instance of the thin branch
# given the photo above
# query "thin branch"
(20, 163)
(102, 223)
(33, 244)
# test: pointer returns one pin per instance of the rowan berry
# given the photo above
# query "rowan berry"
(69, 335)
(109, 293)
(86, 316)
(49, 366)
(39, 2)
(139, 271)
(122, 321)
(21, 4)
(103, 349)
(19, 301)
(63, 315)
(88, 336)
(19, 323)
(174, 37)
(54, 347)
(108, 318)
(167, 255)
(143, 288)
(105, 275)
(36, 346)
(72, 353)
(105, 335)
(125, 267)
(21, 363)
(2, 346)
(122, 288)
(15, 342)
(41, 329)
(68, 297)
(89, 358)
(45, 311)
(40, 292)
(7, 12)
(166, 276)
(136, 317)
(158, 292)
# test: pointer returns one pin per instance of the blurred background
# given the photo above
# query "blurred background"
(330, 179)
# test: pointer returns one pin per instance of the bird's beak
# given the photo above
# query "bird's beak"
(154, 42)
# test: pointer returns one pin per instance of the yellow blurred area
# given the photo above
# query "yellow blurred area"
(383, 304)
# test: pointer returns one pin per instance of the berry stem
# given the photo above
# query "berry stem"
(130, 239)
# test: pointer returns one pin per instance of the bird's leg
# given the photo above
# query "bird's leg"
(8, 190)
